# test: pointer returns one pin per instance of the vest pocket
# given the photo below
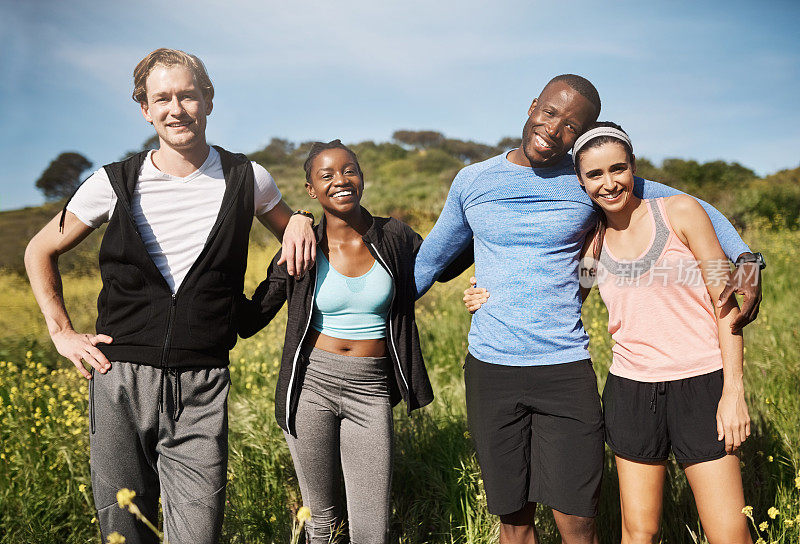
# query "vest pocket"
(211, 310)
(125, 307)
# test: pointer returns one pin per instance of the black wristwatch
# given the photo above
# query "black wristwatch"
(752, 258)
(305, 213)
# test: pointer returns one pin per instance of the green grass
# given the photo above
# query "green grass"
(438, 495)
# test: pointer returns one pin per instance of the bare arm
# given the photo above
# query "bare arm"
(296, 234)
(41, 263)
(695, 229)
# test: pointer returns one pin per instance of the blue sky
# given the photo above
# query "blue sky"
(701, 80)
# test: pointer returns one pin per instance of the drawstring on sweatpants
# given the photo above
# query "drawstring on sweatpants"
(176, 395)
(656, 388)
(177, 402)
(161, 390)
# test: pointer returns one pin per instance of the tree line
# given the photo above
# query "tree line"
(732, 187)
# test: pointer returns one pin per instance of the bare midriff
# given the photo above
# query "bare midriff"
(374, 347)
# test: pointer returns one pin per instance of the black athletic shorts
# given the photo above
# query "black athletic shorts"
(538, 432)
(645, 420)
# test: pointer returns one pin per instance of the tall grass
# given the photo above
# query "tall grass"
(45, 493)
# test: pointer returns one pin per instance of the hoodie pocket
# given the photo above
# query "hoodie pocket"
(211, 311)
(125, 307)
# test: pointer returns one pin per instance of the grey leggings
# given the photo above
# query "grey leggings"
(344, 417)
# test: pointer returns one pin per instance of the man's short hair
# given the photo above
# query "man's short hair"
(583, 86)
(170, 57)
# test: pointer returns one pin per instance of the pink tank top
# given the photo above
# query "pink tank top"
(660, 314)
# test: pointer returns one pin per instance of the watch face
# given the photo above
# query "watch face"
(756, 258)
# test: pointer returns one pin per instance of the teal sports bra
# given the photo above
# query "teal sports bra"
(351, 308)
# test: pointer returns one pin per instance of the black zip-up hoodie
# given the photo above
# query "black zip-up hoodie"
(195, 327)
(394, 246)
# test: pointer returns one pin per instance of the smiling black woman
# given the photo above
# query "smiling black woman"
(351, 351)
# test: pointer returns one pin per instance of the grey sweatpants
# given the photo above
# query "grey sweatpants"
(344, 417)
(178, 450)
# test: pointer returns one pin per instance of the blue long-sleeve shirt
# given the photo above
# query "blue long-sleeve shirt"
(528, 225)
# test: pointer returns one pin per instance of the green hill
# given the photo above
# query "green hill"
(409, 179)
(438, 495)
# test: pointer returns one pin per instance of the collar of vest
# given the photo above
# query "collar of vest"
(124, 174)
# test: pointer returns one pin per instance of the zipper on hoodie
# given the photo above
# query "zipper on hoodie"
(168, 335)
(223, 213)
(391, 333)
(299, 348)
(165, 351)
(173, 296)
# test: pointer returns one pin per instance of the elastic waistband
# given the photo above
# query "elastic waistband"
(335, 364)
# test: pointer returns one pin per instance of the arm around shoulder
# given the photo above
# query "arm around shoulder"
(462, 262)
(694, 228)
(447, 240)
(729, 238)
(746, 280)
(296, 234)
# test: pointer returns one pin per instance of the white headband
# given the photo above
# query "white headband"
(596, 133)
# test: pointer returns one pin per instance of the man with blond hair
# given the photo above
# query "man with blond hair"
(172, 264)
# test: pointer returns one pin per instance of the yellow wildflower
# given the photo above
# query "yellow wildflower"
(304, 514)
(770, 458)
(747, 511)
(763, 526)
(125, 497)
(761, 541)
(115, 538)
(272, 518)
(797, 482)
(788, 522)
(773, 512)
(94, 520)
(82, 488)
(28, 355)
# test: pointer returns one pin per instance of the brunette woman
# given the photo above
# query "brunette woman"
(676, 382)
